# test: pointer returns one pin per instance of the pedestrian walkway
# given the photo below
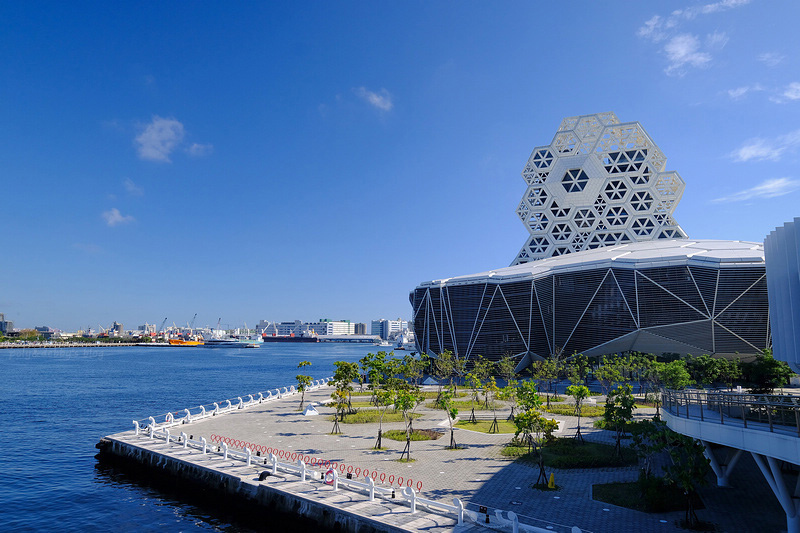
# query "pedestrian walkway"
(478, 474)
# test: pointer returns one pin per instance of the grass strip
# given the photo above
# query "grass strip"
(484, 425)
(569, 453)
(417, 434)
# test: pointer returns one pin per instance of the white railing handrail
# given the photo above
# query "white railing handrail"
(304, 472)
(199, 412)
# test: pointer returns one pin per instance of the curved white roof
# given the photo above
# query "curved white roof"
(637, 255)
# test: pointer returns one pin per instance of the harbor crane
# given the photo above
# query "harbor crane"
(161, 327)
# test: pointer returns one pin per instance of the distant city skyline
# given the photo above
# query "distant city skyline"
(285, 161)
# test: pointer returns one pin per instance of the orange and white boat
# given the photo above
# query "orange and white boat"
(184, 342)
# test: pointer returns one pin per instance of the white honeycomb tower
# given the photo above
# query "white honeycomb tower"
(599, 183)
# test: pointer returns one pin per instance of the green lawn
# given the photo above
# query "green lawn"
(656, 497)
(368, 416)
(569, 453)
(484, 425)
(569, 410)
(466, 406)
(417, 434)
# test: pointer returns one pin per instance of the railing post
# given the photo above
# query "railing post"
(371, 483)
(240, 405)
(335, 480)
(152, 431)
(167, 433)
(512, 516)
(225, 450)
(216, 408)
(202, 410)
(769, 415)
(409, 493)
(459, 510)
(260, 397)
(188, 415)
(700, 399)
(274, 461)
(136, 426)
(152, 422)
(205, 444)
(184, 439)
(229, 406)
(302, 466)
(249, 455)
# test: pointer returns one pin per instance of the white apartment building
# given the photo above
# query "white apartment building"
(387, 329)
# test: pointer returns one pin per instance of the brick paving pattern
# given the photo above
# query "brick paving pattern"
(478, 473)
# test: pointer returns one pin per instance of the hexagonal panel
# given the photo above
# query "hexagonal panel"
(574, 180)
(600, 182)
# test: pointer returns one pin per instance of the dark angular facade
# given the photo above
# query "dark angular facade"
(667, 298)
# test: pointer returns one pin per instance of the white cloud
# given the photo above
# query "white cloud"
(740, 92)
(767, 149)
(381, 100)
(770, 188)
(792, 91)
(200, 150)
(114, 217)
(131, 188)
(771, 59)
(684, 50)
(159, 139)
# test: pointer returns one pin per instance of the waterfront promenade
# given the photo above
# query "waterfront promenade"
(477, 474)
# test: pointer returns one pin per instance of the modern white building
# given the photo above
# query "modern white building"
(598, 183)
(387, 329)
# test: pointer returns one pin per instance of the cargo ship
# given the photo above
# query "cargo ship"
(288, 338)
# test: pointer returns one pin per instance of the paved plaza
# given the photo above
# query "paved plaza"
(478, 474)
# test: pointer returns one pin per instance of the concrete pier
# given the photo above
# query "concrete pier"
(478, 475)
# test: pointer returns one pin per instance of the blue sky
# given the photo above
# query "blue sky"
(275, 161)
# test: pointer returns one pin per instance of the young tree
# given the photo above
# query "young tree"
(618, 412)
(609, 372)
(577, 368)
(767, 373)
(340, 404)
(509, 394)
(303, 382)
(506, 369)
(447, 404)
(490, 391)
(579, 393)
(407, 400)
(459, 369)
(343, 378)
(383, 399)
(536, 430)
(688, 470)
(442, 368)
(674, 375)
(474, 383)
(528, 396)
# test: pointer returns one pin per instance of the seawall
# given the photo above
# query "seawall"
(244, 487)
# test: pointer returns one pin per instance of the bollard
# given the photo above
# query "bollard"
(459, 510)
(335, 480)
(202, 410)
(249, 455)
(371, 484)
(229, 406)
(216, 408)
(224, 450)
(188, 415)
(409, 493)
(184, 439)
(302, 466)
(136, 427)
(240, 405)
(152, 432)
(260, 397)
(514, 521)
(152, 421)
(167, 432)
(274, 461)
(203, 440)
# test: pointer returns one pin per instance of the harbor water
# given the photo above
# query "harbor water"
(57, 403)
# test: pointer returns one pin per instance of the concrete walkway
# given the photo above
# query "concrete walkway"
(479, 474)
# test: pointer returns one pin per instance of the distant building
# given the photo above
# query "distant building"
(116, 330)
(147, 329)
(45, 331)
(361, 328)
(5, 325)
(387, 329)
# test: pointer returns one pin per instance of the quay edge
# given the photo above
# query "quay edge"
(241, 485)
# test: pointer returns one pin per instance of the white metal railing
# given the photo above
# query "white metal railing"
(192, 414)
(761, 411)
(331, 477)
